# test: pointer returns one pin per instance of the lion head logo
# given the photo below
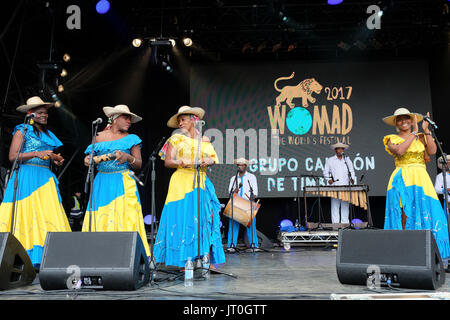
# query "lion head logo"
(303, 90)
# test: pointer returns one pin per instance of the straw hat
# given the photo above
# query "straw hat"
(439, 163)
(173, 121)
(391, 120)
(32, 103)
(339, 145)
(241, 161)
(121, 109)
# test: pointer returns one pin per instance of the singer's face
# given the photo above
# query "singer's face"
(123, 122)
(185, 122)
(41, 115)
(403, 122)
(339, 151)
(242, 167)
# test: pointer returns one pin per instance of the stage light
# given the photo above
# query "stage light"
(334, 2)
(187, 42)
(102, 6)
(137, 42)
(380, 13)
(286, 223)
(285, 19)
(60, 88)
(172, 41)
(63, 73)
(66, 57)
(148, 219)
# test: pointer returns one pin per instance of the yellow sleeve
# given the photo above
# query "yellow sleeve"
(210, 152)
(395, 139)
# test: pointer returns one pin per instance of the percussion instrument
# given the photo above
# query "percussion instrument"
(242, 210)
(105, 157)
(355, 194)
(54, 157)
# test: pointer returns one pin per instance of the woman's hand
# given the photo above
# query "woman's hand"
(425, 124)
(44, 155)
(122, 157)
(58, 160)
(415, 127)
(206, 161)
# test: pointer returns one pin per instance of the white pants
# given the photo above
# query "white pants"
(335, 205)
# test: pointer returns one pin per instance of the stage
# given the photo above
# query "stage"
(301, 273)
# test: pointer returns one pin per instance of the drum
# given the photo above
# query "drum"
(242, 210)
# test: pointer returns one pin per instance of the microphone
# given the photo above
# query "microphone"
(98, 121)
(133, 175)
(433, 124)
(159, 146)
(30, 115)
(362, 177)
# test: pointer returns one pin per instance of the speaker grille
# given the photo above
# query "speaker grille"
(79, 248)
(385, 248)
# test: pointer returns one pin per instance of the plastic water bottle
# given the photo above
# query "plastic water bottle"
(205, 265)
(189, 273)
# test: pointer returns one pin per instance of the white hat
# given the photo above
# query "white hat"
(391, 120)
(121, 109)
(241, 161)
(339, 145)
(173, 121)
(32, 103)
(439, 161)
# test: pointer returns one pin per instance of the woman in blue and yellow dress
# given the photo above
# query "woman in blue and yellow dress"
(177, 237)
(116, 205)
(411, 201)
(38, 203)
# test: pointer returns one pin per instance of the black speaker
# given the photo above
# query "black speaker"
(401, 258)
(263, 241)
(95, 260)
(16, 269)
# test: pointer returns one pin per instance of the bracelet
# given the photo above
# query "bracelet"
(428, 134)
(415, 133)
(134, 160)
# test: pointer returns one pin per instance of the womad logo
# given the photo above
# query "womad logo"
(320, 124)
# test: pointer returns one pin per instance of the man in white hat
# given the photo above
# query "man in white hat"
(241, 184)
(337, 169)
(439, 182)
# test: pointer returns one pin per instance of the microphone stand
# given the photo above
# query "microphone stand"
(197, 172)
(15, 168)
(90, 175)
(351, 226)
(153, 179)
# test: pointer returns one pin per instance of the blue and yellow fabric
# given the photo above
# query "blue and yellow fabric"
(38, 203)
(116, 205)
(177, 237)
(411, 188)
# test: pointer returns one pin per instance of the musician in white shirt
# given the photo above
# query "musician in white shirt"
(241, 184)
(336, 171)
(439, 182)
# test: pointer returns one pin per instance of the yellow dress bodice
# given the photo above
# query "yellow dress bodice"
(413, 156)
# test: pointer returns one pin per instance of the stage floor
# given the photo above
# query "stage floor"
(300, 273)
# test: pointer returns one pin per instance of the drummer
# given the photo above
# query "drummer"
(240, 184)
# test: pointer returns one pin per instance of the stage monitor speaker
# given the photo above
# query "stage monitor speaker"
(95, 260)
(401, 258)
(263, 241)
(16, 269)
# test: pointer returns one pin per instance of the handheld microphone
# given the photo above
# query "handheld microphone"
(133, 175)
(30, 115)
(98, 121)
(433, 124)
